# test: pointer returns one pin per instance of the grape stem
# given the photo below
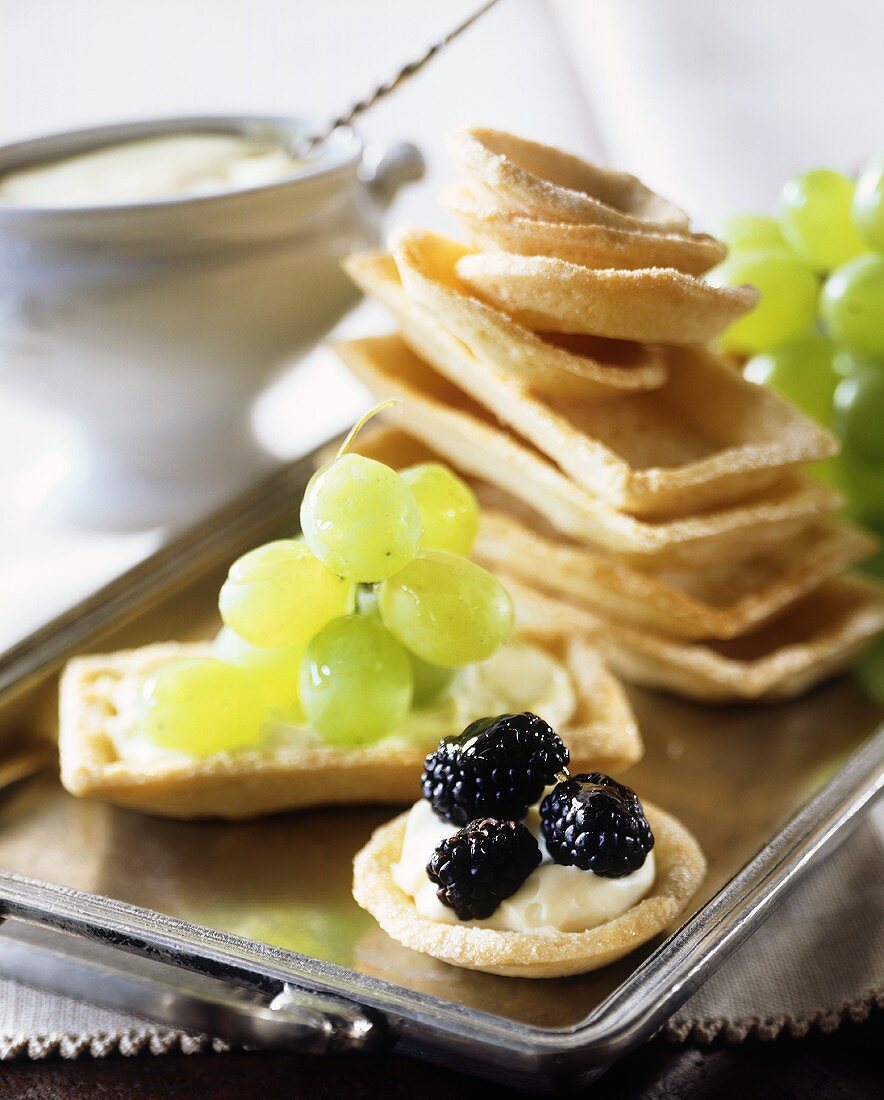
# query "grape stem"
(360, 424)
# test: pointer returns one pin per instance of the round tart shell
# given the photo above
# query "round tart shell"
(680, 867)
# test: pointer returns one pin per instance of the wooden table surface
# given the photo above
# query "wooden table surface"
(846, 1065)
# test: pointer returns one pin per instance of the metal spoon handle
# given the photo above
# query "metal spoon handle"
(307, 145)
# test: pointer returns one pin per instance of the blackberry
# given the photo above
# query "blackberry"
(481, 865)
(597, 824)
(497, 767)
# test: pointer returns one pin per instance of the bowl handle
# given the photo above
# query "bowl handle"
(386, 170)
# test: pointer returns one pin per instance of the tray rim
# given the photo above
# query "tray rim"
(631, 1013)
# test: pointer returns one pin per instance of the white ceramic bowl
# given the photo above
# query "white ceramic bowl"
(154, 325)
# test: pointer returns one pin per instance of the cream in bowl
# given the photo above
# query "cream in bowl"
(154, 277)
(147, 170)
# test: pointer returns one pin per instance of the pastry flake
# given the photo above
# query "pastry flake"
(809, 641)
(526, 176)
(653, 304)
(703, 437)
(490, 227)
(594, 370)
(722, 600)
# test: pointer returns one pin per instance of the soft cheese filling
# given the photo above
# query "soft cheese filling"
(518, 677)
(552, 899)
(162, 167)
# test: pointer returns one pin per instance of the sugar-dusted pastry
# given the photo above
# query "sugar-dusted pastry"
(491, 226)
(724, 600)
(469, 436)
(627, 259)
(809, 641)
(656, 304)
(677, 512)
(528, 177)
(702, 438)
(593, 370)
(512, 866)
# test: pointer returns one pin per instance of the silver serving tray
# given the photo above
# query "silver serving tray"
(248, 931)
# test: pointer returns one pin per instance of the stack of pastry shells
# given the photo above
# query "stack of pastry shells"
(635, 488)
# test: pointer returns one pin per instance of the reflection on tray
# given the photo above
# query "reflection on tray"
(733, 776)
(553, 1003)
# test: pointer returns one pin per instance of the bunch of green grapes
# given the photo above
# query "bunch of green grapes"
(424, 608)
(365, 616)
(817, 335)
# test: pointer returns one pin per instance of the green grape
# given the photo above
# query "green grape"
(446, 609)
(859, 417)
(749, 231)
(200, 705)
(853, 306)
(870, 671)
(847, 365)
(861, 483)
(360, 518)
(429, 681)
(859, 414)
(280, 595)
(868, 203)
(802, 371)
(448, 506)
(816, 219)
(355, 681)
(827, 471)
(874, 566)
(274, 671)
(788, 298)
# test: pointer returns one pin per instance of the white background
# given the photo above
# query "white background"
(713, 103)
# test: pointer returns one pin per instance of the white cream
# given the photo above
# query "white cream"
(155, 168)
(552, 899)
(518, 677)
